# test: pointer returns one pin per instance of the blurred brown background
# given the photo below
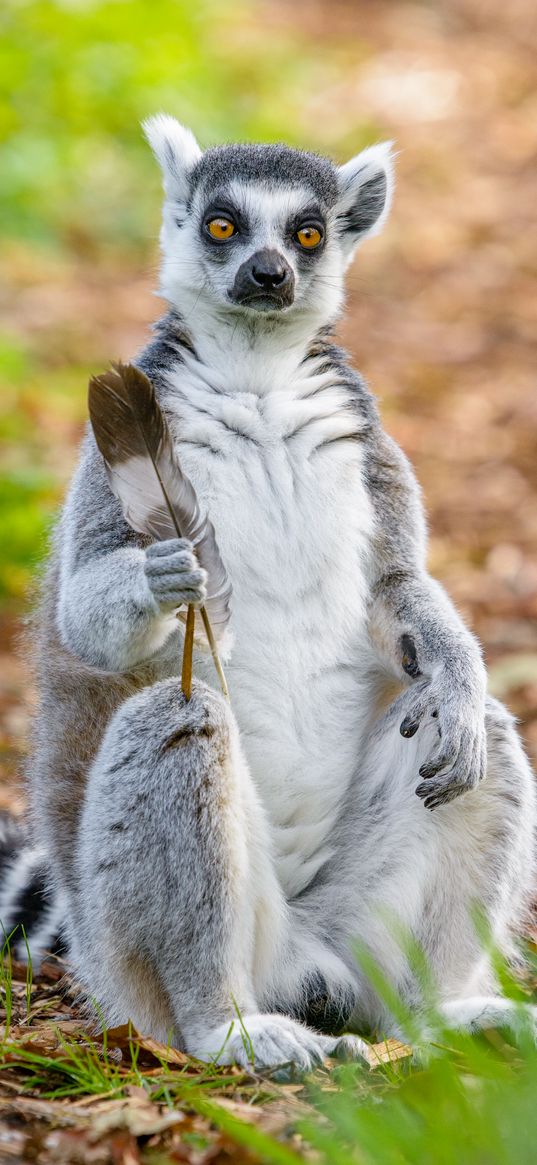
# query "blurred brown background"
(442, 308)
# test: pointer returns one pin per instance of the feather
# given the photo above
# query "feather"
(156, 496)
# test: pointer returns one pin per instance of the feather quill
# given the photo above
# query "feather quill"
(156, 496)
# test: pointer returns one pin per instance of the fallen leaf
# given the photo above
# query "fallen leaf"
(125, 1036)
(387, 1052)
(141, 1119)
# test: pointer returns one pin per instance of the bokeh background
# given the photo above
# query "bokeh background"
(442, 309)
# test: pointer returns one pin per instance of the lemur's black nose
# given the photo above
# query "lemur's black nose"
(265, 276)
(271, 271)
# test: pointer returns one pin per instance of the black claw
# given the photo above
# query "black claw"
(409, 727)
(428, 770)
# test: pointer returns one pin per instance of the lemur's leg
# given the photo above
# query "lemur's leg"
(401, 868)
(179, 912)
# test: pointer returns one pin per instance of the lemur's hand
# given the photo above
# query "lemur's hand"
(459, 761)
(174, 574)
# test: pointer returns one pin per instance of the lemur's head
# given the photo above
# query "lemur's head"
(250, 229)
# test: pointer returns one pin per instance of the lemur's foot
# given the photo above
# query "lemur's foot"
(205, 714)
(480, 1013)
(267, 1042)
(458, 763)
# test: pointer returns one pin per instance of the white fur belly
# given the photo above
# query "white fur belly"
(296, 691)
(293, 523)
(298, 660)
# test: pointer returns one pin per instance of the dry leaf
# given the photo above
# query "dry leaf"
(125, 1036)
(387, 1052)
(141, 1118)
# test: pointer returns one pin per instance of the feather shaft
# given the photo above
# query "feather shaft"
(214, 652)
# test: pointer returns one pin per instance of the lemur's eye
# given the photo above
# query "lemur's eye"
(221, 228)
(308, 236)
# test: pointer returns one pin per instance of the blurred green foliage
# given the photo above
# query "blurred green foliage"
(29, 472)
(76, 79)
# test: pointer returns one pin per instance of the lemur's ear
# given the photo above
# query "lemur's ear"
(365, 193)
(176, 151)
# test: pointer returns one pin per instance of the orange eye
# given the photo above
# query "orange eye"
(308, 237)
(221, 228)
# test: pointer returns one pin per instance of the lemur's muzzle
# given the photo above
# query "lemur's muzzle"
(265, 282)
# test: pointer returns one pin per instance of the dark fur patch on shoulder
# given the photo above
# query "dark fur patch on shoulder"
(164, 352)
(276, 165)
(360, 397)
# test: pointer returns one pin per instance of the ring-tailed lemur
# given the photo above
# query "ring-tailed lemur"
(210, 856)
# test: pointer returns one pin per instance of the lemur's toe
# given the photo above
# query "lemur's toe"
(351, 1048)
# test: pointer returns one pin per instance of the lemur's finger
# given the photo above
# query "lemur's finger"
(169, 546)
(436, 791)
(436, 775)
(439, 792)
(436, 764)
(164, 564)
(185, 598)
(419, 700)
(462, 774)
(179, 580)
(409, 726)
(454, 745)
(445, 796)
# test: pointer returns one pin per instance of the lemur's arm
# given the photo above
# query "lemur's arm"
(418, 633)
(118, 596)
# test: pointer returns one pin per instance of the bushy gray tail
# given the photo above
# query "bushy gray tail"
(26, 905)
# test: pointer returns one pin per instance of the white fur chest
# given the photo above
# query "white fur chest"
(281, 476)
